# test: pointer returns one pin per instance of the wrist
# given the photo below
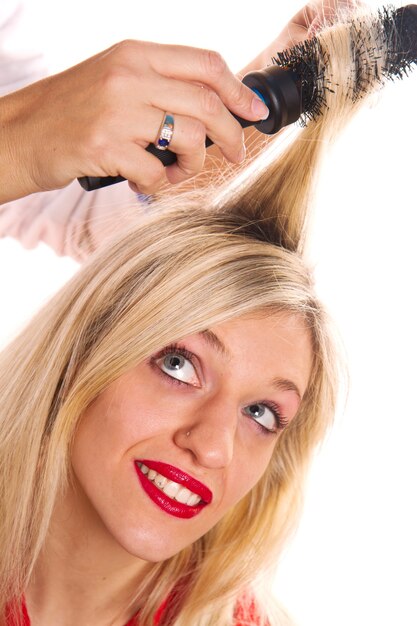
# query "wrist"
(15, 179)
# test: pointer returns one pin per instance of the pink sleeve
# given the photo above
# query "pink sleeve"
(71, 221)
(21, 60)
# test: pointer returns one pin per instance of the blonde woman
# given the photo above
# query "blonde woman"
(158, 416)
(192, 349)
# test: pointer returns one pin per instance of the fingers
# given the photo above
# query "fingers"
(143, 171)
(188, 143)
(318, 13)
(193, 85)
(207, 67)
(205, 115)
(112, 105)
(196, 83)
(324, 13)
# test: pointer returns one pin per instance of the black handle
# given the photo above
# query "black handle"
(95, 182)
(278, 88)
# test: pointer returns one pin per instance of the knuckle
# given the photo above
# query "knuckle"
(125, 66)
(148, 186)
(115, 77)
(96, 140)
(196, 133)
(121, 59)
(210, 101)
(112, 81)
(155, 174)
(189, 167)
(184, 171)
(146, 190)
(240, 95)
(238, 136)
(126, 47)
(188, 170)
(213, 63)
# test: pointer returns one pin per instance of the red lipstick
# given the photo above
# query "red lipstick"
(167, 504)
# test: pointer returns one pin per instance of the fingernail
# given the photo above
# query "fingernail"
(259, 108)
(242, 155)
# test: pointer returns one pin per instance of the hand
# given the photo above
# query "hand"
(302, 26)
(97, 118)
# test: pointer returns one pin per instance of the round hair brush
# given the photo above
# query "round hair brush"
(295, 86)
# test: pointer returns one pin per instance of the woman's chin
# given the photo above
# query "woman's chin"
(150, 547)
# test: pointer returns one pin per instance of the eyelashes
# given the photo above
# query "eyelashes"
(259, 407)
(179, 366)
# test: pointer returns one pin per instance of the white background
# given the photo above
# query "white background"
(353, 560)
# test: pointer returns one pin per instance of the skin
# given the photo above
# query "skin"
(111, 107)
(106, 531)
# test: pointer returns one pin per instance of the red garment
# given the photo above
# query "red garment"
(26, 619)
(238, 615)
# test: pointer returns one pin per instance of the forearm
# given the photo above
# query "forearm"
(21, 63)
(12, 185)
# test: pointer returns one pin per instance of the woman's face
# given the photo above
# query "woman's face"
(169, 447)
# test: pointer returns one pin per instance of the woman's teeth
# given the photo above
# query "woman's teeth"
(172, 489)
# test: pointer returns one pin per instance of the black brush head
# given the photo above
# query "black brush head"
(400, 27)
(304, 61)
(394, 29)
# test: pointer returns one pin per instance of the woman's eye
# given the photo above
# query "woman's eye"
(262, 414)
(177, 366)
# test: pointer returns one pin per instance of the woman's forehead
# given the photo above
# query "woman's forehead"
(276, 347)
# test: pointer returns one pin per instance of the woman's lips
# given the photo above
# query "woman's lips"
(180, 477)
(166, 503)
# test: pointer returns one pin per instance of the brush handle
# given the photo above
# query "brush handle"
(278, 88)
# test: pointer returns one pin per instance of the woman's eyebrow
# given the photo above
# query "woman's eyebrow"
(213, 340)
(283, 384)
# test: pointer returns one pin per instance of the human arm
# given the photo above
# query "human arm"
(98, 117)
(74, 222)
(68, 220)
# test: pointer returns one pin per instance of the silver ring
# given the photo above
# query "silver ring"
(165, 132)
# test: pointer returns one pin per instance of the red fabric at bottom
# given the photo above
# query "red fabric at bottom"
(131, 622)
(238, 616)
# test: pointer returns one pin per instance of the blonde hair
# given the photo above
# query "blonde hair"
(207, 257)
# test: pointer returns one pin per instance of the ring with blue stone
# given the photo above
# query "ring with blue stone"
(165, 132)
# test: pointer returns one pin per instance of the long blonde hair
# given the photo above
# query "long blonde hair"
(201, 259)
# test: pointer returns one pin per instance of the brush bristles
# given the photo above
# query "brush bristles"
(307, 61)
(400, 28)
(383, 46)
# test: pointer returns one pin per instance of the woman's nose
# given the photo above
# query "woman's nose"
(210, 435)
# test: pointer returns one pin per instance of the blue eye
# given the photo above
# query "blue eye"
(265, 416)
(176, 364)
